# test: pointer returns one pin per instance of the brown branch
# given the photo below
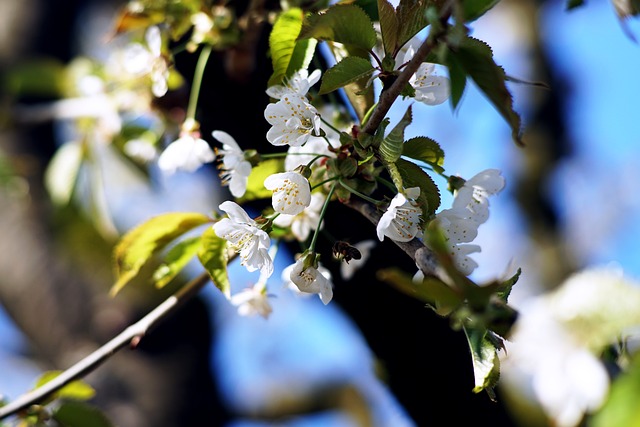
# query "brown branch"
(131, 336)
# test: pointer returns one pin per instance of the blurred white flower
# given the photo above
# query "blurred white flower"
(141, 149)
(141, 60)
(291, 192)
(307, 220)
(245, 237)
(293, 120)
(401, 221)
(236, 169)
(187, 153)
(474, 194)
(430, 89)
(254, 300)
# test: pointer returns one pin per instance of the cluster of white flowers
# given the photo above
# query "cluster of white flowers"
(469, 210)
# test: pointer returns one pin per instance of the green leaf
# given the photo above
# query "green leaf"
(473, 9)
(77, 414)
(349, 70)
(389, 26)
(342, 23)
(287, 54)
(255, 184)
(370, 7)
(413, 176)
(476, 59)
(391, 146)
(214, 258)
(486, 364)
(39, 77)
(425, 150)
(411, 18)
(141, 243)
(77, 390)
(176, 259)
(621, 407)
(432, 291)
(62, 172)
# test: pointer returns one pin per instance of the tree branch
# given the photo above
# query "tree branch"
(130, 336)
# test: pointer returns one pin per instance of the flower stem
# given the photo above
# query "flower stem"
(197, 81)
(312, 246)
(359, 194)
(333, 178)
(330, 126)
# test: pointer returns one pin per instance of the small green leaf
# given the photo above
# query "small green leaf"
(141, 243)
(255, 184)
(425, 150)
(77, 414)
(413, 176)
(287, 54)
(76, 390)
(35, 77)
(176, 259)
(214, 258)
(486, 364)
(391, 146)
(621, 407)
(62, 172)
(476, 59)
(342, 23)
(389, 26)
(473, 9)
(349, 70)
(434, 292)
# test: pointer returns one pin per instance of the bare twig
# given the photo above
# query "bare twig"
(129, 337)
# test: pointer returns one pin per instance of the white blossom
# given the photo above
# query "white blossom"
(310, 280)
(307, 220)
(141, 60)
(141, 149)
(302, 155)
(474, 194)
(291, 192)
(348, 269)
(401, 221)
(253, 300)
(236, 169)
(187, 153)
(293, 120)
(298, 84)
(245, 237)
(566, 378)
(430, 89)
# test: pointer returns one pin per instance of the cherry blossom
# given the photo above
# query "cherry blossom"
(298, 84)
(293, 120)
(141, 60)
(307, 220)
(236, 170)
(245, 237)
(291, 192)
(187, 153)
(253, 300)
(310, 280)
(401, 221)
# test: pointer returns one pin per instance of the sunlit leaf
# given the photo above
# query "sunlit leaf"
(391, 146)
(77, 390)
(424, 149)
(486, 364)
(255, 184)
(62, 172)
(621, 407)
(175, 260)
(411, 18)
(146, 240)
(342, 23)
(389, 26)
(77, 414)
(287, 54)
(214, 258)
(349, 70)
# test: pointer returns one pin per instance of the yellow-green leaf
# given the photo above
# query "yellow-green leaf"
(146, 240)
(349, 70)
(388, 26)
(79, 414)
(342, 23)
(486, 364)
(413, 176)
(62, 172)
(214, 258)
(425, 150)
(176, 259)
(77, 390)
(391, 146)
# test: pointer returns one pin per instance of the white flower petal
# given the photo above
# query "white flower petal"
(291, 192)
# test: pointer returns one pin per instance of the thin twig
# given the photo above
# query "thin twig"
(129, 337)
